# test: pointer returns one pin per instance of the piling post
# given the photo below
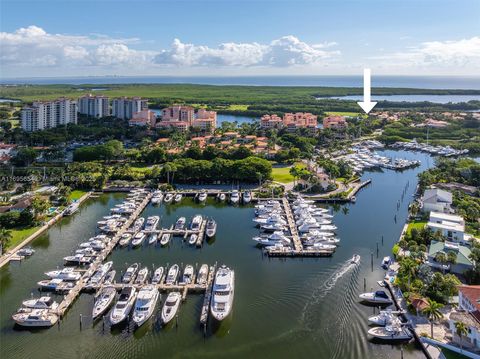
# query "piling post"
(371, 259)
(176, 321)
(80, 321)
(364, 283)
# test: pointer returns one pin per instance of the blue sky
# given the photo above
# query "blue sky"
(71, 38)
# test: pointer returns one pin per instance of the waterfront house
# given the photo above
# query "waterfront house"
(143, 118)
(450, 226)
(468, 312)
(462, 257)
(335, 122)
(437, 200)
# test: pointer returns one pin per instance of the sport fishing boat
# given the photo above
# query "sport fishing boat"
(130, 274)
(222, 293)
(158, 275)
(40, 303)
(165, 239)
(145, 305)
(142, 276)
(187, 277)
(193, 239)
(138, 239)
(170, 307)
(152, 223)
(211, 228)
(35, 318)
(172, 275)
(202, 274)
(125, 239)
(196, 222)
(66, 274)
(103, 301)
(393, 332)
(180, 224)
(234, 197)
(378, 297)
(384, 318)
(123, 306)
(247, 197)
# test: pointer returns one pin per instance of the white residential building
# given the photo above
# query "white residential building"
(437, 200)
(468, 312)
(125, 107)
(48, 114)
(450, 226)
(94, 106)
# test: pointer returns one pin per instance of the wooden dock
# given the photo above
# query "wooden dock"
(75, 291)
(292, 226)
(208, 297)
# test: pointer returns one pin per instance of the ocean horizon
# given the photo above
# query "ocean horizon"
(422, 82)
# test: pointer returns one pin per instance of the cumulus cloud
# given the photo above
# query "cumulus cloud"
(286, 51)
(464, 53)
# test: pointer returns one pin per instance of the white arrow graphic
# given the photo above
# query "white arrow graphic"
(366, 105)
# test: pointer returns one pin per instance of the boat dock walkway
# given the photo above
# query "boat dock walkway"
(208, 296)
(75, 291)
(297, 243)
(185, 233)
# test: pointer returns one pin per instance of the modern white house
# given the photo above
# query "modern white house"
(450, 226)
(468, 312)
(437, 200)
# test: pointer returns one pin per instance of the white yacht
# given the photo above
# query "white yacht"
(234, 197)
(35, 318)
(202, 275)
(187, 277)
(40, 303)
(247, 197)
(178, 197)
(165, 239)
(99, 275)
(180, 224)
(384, 318)
(103, 301)
(130, 274)
(222, 293)
(202, 196)
(386, 262)
(78, 259)
(378, 297)
(152, 223)
(211, 228)
(142, 276)
(145, 305)
(273, 227)
(222, 197)
(193, 239)
(274, 238)
(152, 239)
(158, 275)
(157, 197)
(138, 225)
(170, 307)
(196, 222)
(172, 275)
(138, 239)
(270, 220)
(66, 274)
(110, 277)
(123, 306)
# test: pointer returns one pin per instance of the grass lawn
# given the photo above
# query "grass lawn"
(416, 224)
(282, 174)
(19, 235)
(340, 113)
(75, 195)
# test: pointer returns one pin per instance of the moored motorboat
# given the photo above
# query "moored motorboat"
(152, 223)
(193, 239)
(138, 239)
(222, 197)
(187, 277)
(65, 274)
(35, 318)
(386, 262)
(247, 197)
(180, 223)
(196, 222)
(222, 293)
(211, 228)
(145, 304)
(157, 277)
(152, 239)
(110, 277)
(378, 297)
(138, 225)
(202, 274)
(130, 274)
(165, 239)
(384, 318)
(355, 259)
(177, 198)
(142, 276)
(123, 306)
(40, 303)
(202, 196)
(234, 197)
(57, 285)
(170, 306)
(168, 198)
(103, 301)
(394, 332)
(172, 275)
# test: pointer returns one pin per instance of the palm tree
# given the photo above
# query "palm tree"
(441, 258)
(5, 237)
(294, 171)
(461, 330)
(409, 267)
(433, 313)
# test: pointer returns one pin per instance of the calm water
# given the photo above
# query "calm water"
(415, 98)
(283, 308)
(428, 82)
(222, 118)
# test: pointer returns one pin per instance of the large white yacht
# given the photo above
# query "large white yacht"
(170, 307)
(172, 275)
(234, 197)
(152, 223)
(124, 305)
(378, 297)
(222, 293)
(65, 274)
(145, 304)
(196, 222)
(103, 301)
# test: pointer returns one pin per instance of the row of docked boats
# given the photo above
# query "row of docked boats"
(387, 325)
(434, 150)
(142, 302)
(234, 197)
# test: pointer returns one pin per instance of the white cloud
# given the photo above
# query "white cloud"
(286, 51)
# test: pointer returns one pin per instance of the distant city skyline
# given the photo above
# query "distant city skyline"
(52, 38)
